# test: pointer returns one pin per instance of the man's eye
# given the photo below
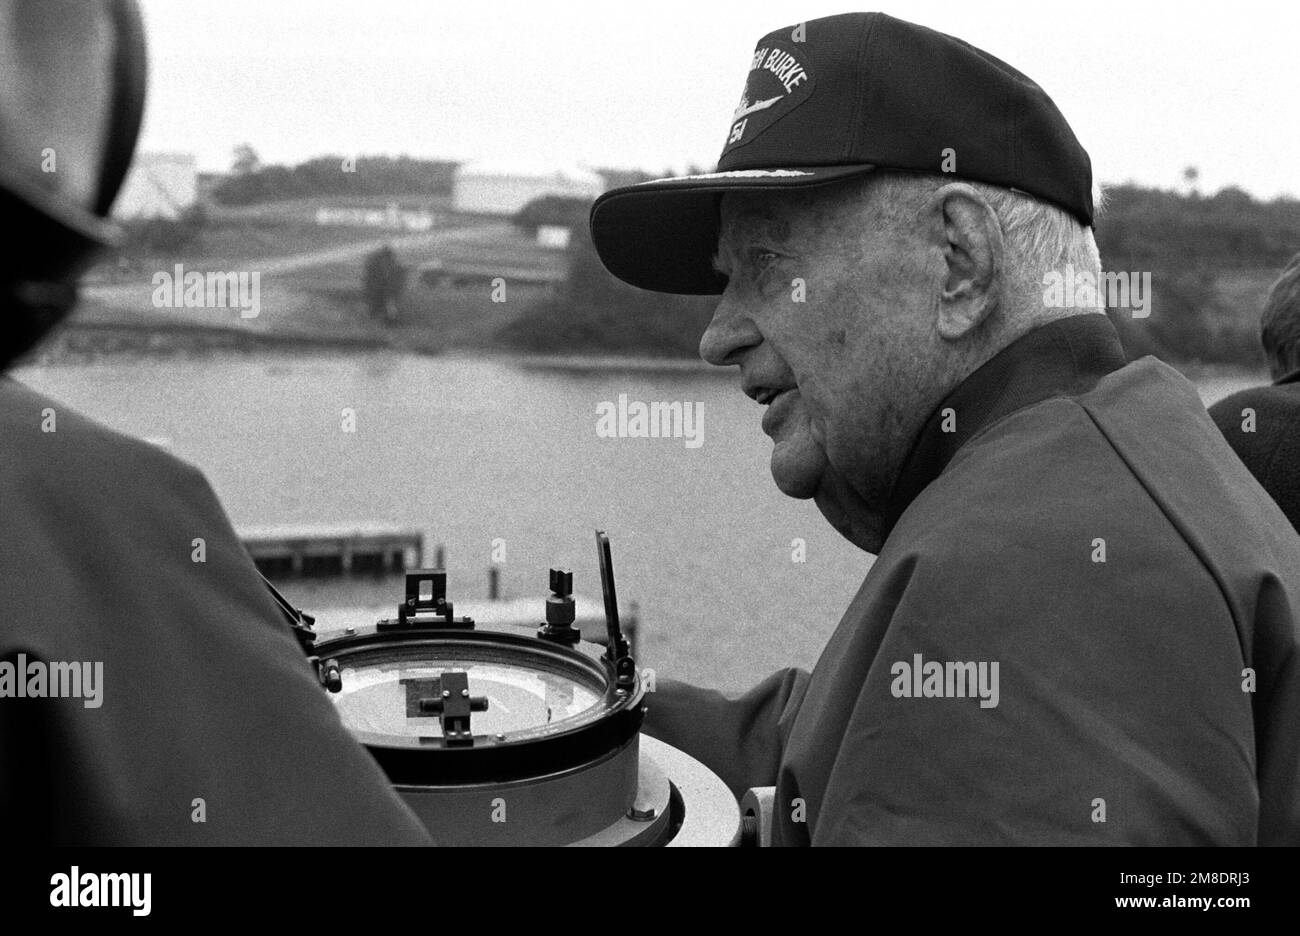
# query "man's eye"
(762, 259)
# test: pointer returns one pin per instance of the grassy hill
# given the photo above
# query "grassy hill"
(1211, 259)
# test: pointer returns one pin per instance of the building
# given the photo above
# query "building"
(500, 188)
(391, 217)
(159, 185)
(553, 236)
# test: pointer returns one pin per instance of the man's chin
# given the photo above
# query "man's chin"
(799, 480)
(795, 487)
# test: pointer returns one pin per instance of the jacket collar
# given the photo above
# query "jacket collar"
(1063, 358)
(1292, 377)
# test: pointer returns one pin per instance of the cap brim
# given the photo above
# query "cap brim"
(662, 234)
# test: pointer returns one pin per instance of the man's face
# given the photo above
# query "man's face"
(830, 317)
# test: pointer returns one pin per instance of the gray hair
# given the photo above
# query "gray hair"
(1280, 324)
(1038, 236)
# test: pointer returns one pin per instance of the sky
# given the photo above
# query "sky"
(1150, 88)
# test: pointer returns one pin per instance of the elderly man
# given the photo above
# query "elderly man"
(194, 717)
(1081, 624)
(1263, 424)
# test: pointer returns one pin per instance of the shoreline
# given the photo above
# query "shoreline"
(83, 342)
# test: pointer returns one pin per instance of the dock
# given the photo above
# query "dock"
(333, 551)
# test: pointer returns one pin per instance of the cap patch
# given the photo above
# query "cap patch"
(779, 80)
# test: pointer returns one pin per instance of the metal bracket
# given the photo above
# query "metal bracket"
(560, 610)
(616, 651)
(434, 611)
(446, 696)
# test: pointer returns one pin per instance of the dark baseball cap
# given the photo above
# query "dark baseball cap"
(835, 98)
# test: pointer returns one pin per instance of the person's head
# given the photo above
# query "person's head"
(1280, 323)
(71, 94)
(868, 301)
(881, 220)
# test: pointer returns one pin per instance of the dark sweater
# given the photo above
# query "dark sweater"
(1272, 450)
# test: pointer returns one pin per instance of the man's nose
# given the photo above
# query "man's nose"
(731, 332)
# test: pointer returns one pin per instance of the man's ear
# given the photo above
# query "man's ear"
(966, 229)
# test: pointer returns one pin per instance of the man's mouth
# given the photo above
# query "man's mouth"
(765, 396)
(778, 405)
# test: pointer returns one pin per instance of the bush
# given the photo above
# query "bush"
(561, 210)
(597, 312)
(165, 235)
(325, 176)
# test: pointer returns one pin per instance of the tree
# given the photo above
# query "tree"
(561, 210)
(597, 312)
(245, 161)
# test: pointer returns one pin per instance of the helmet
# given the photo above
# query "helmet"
(59, 238)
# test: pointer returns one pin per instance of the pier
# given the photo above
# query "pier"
(333, 551)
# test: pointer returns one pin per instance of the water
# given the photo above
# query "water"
(1215, 387)
(473, 451)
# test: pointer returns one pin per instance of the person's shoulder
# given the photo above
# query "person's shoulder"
(1270, 398)
(1029, 477)
(1134, 470)
(47, 440)
(1050, 475)
(1051, 448)
(1262, 424)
